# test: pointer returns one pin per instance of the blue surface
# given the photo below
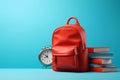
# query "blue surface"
(48, 74)
(27, 25)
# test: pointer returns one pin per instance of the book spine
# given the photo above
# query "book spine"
(94, 69)
(90, 50)
(100, 69)
(96, 61)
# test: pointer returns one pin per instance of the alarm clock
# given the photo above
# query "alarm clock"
(45, 57)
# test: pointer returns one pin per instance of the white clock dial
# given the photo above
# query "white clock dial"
(46, 57)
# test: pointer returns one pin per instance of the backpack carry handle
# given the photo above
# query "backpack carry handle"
(76, 20)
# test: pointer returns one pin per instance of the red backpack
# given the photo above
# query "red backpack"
(69, 51)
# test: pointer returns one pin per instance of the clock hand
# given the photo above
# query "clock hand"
(46, 56)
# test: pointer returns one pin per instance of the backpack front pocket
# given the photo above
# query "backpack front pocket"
(65, 60)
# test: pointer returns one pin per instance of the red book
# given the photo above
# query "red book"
(97, 49)
(100, 69)
(100, 61)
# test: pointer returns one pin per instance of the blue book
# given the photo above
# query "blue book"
(102, 65)
(100, 55)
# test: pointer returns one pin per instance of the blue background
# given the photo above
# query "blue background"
(27, 25)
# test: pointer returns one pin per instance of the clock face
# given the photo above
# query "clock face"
(46, 57)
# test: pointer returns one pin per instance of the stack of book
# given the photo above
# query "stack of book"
(100, 59)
